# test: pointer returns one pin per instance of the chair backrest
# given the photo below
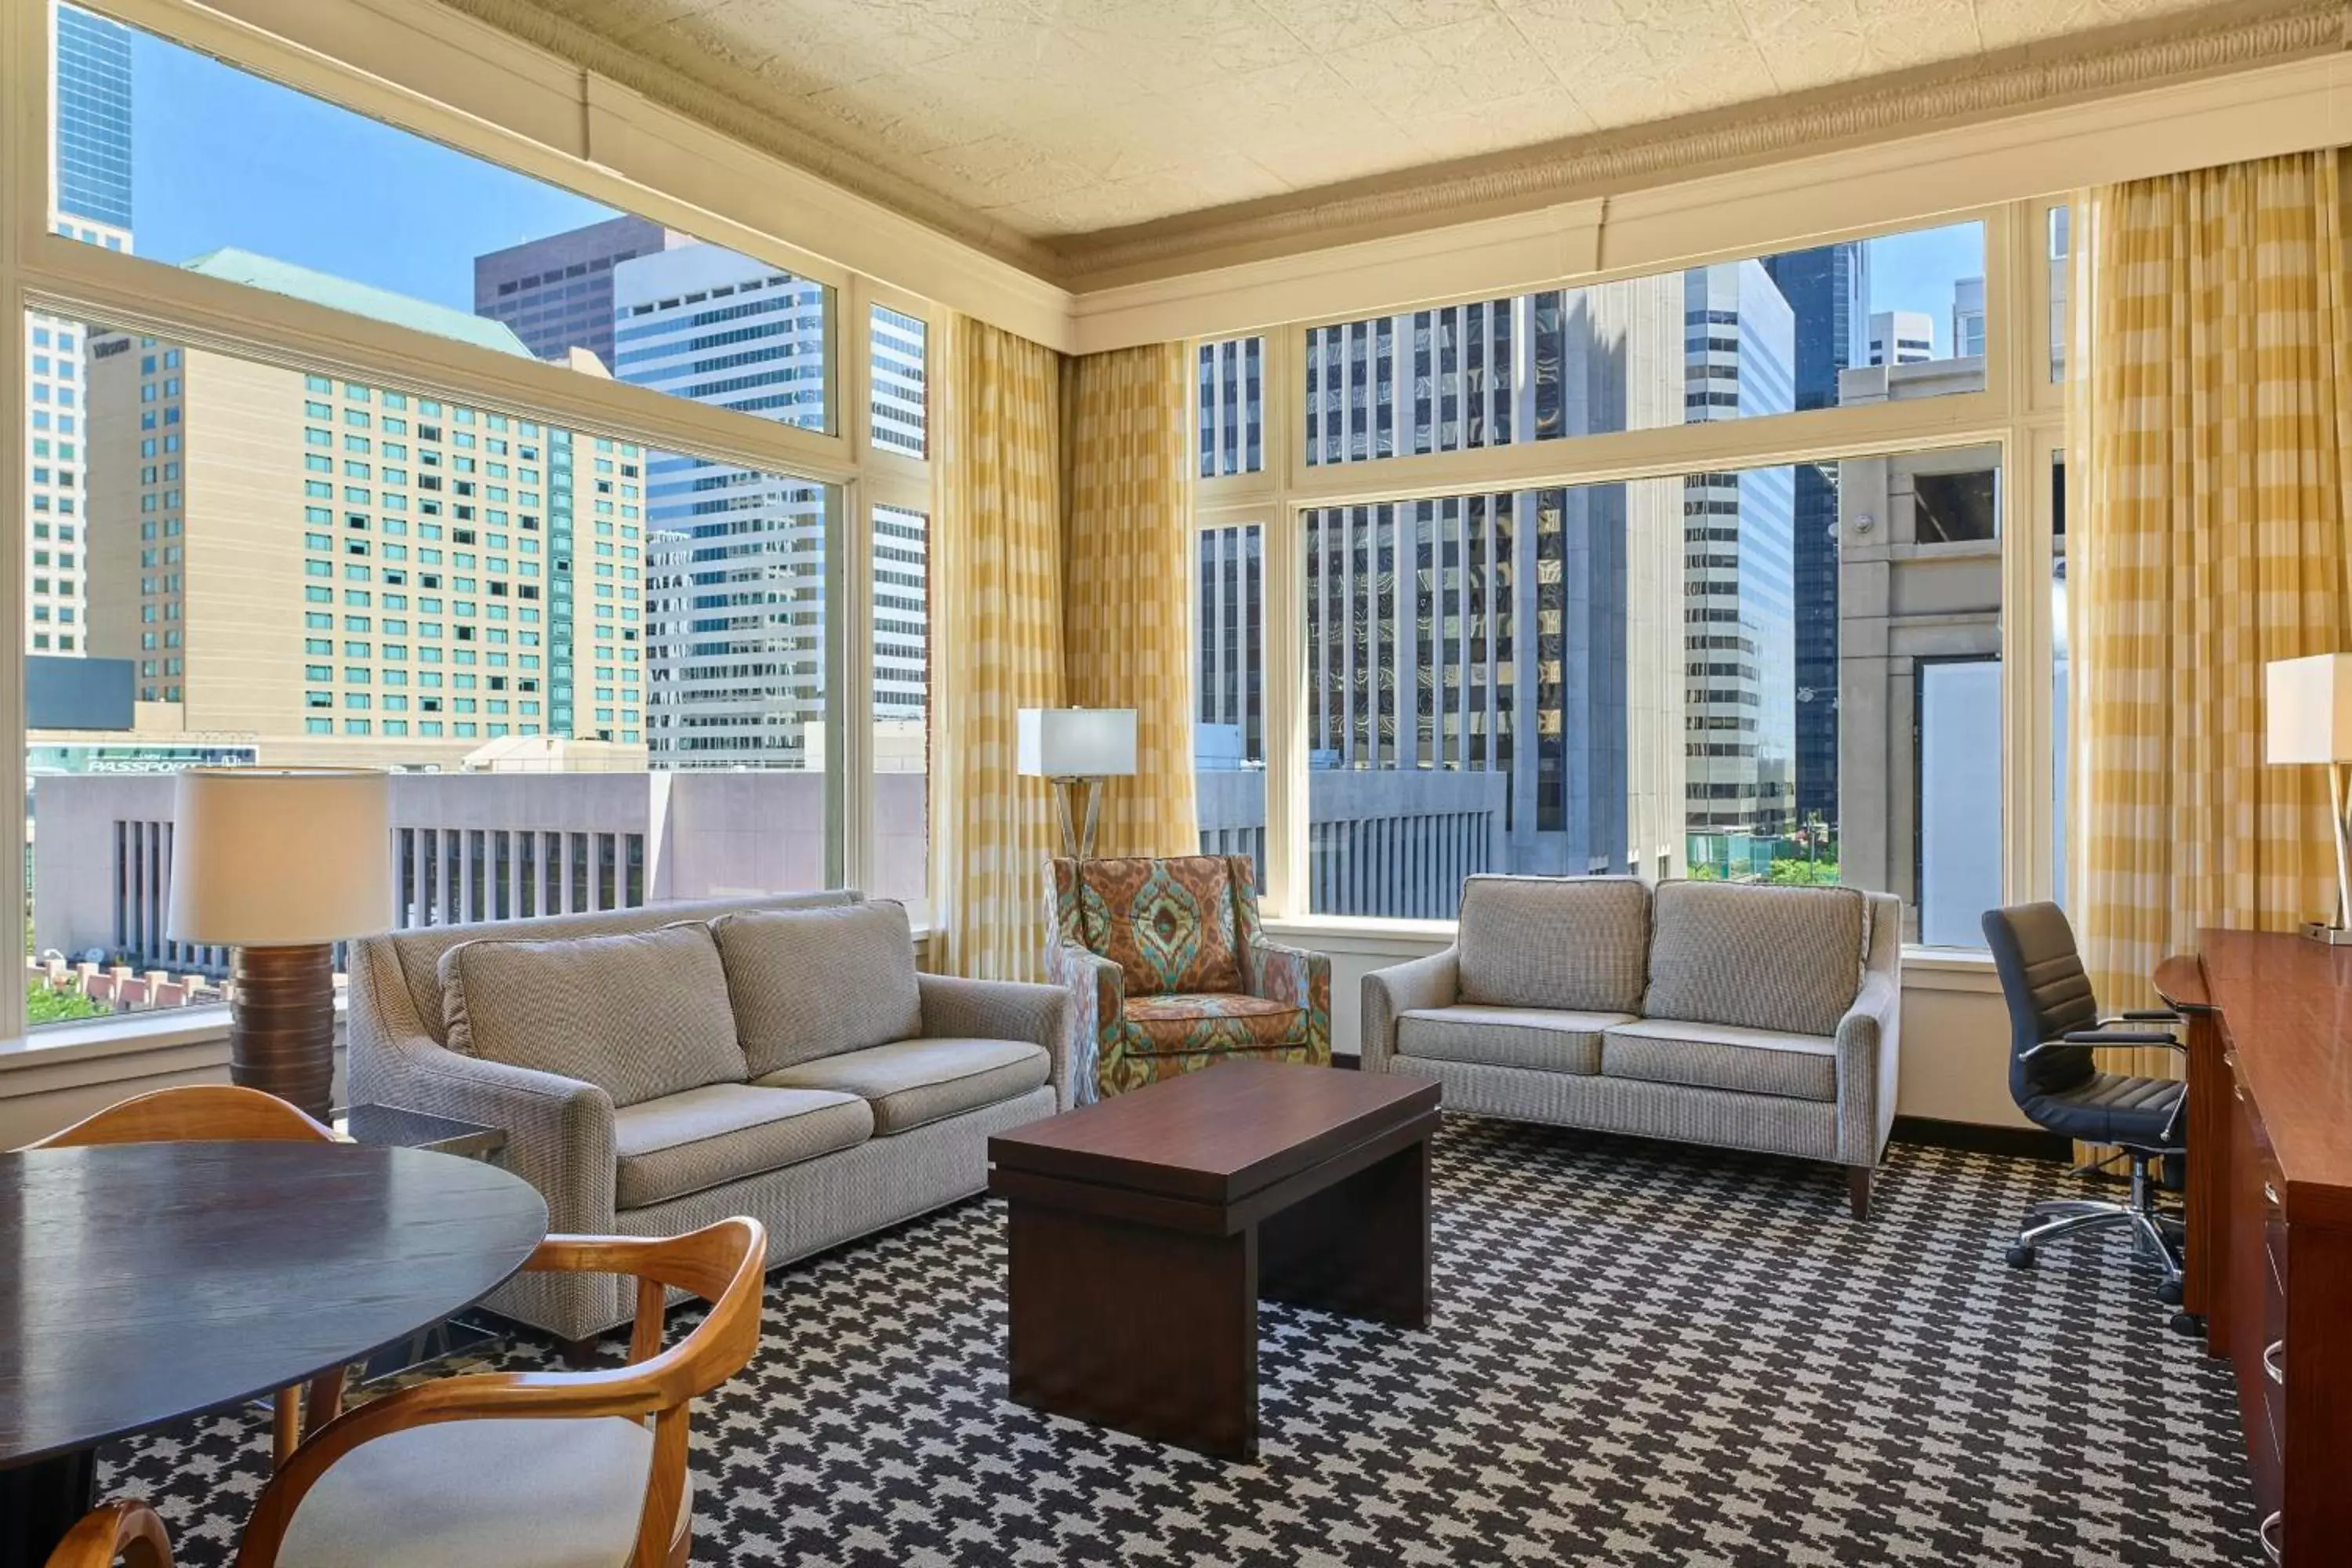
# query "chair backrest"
(724, 1264)
(2048, 992)
(1173, 923)
(194, 1113)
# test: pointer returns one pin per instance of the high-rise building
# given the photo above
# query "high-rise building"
(1828, 290)
(897, 397)
(1739, 577)
(1967, 318)
(735, 591)
(90, 200)
(556, 293)
(1901, 337)
(330, 569)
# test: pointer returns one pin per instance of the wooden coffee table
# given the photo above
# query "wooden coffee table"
(1144, 1230)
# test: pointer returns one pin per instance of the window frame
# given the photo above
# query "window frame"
(45, 273)
(2020, 412)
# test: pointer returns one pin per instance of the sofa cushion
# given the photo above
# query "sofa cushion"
(911, 1082)
(1545, 1038)
(682, 1143)
(815, 983)
(1217, 1021)
(1786, 959)
(639, 1015)
(1576, 944)
(1717, 1055)
(1167, 923)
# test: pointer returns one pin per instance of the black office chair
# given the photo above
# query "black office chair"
(2054, 1026)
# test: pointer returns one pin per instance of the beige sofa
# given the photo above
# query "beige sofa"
(1747, 1015)
(657, 1069)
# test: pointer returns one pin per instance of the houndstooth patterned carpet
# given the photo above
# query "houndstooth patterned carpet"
(1641, 1354)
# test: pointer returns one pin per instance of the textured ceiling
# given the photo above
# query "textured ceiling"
(1042, 121)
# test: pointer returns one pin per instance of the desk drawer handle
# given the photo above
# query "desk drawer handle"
(2274, 1530)
(2274, 1361)
(2269, 1195)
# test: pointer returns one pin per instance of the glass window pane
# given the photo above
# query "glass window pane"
(467, 604)
(1860, 321)
(1770, 674)
(1232, 393)
(196, 163)
(1229, 684)
(2061, 224)
(902, 696)
(901, 414)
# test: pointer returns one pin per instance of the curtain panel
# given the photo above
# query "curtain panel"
(1127, 552)
(1061, 576)
(2207, 535)
(996, 639)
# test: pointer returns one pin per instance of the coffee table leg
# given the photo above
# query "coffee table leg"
(42, 1501)
(1358, 1247)
(1150, 1332)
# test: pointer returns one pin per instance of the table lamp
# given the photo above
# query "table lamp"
(2308, 718)
(1077, 748)
(280, 864)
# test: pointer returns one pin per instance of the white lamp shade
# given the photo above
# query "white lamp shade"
(280, 856)
(2308, 715)
(1077, 743)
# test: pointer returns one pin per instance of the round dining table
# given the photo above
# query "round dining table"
(142, 1283)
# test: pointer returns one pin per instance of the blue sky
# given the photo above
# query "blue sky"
(225, 158)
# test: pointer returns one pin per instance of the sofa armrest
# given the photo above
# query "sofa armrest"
(1869, 1057)
(1097, 988)
(1302, 979)
(1432, 982)
(558, 1129)
(1002, 1010)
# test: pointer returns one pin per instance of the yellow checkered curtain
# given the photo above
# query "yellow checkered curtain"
(1127, 553)
(996, 605)
(2206, 537)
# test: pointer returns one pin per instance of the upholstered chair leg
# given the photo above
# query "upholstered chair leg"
(577, 1354)
(1858, 1179)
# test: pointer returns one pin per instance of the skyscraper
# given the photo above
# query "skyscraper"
(556, 293)
(1740, 578)
(1828, 290)
(90, 200)
(1901, 337)
(735, 590)
(1967, 318)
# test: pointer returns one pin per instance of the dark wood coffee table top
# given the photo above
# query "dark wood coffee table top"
(1217, 1135)
(147, 1281)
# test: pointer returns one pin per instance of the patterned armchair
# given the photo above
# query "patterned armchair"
(1169, 972)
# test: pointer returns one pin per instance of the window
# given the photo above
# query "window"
(1836, 326)
(901, 401)
(637, 300)
(1229, 692)
(1231, 398)
(901, 708)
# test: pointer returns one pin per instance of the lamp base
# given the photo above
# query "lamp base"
(1078, 820)
(2334, 936)
(282, 1029)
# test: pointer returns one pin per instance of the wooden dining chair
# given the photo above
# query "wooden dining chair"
(530, 1469)
(124, 1529)
(224, 1112)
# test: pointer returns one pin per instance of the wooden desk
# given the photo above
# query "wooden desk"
(2270, 1214)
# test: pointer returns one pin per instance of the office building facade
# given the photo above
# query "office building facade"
(556, 293)
(333, 571)
(90, 200)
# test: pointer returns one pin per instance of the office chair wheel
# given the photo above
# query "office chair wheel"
(2020, 1256)
(2169, 1292)
(2187, 1325)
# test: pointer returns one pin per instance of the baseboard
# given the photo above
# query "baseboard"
(1978, 1138)
(1341, 1060)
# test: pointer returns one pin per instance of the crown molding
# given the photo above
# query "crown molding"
(2083, 67)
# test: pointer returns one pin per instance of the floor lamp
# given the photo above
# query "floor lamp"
(1077, 748)
(2307, 718)
(280, 864)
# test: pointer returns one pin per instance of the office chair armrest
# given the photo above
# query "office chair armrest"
(2118, 1037)
(2143, 1014)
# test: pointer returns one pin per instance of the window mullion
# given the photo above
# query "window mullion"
(24, 151)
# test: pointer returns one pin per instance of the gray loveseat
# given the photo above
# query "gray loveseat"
(657, 1069)
(1747, 1015)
